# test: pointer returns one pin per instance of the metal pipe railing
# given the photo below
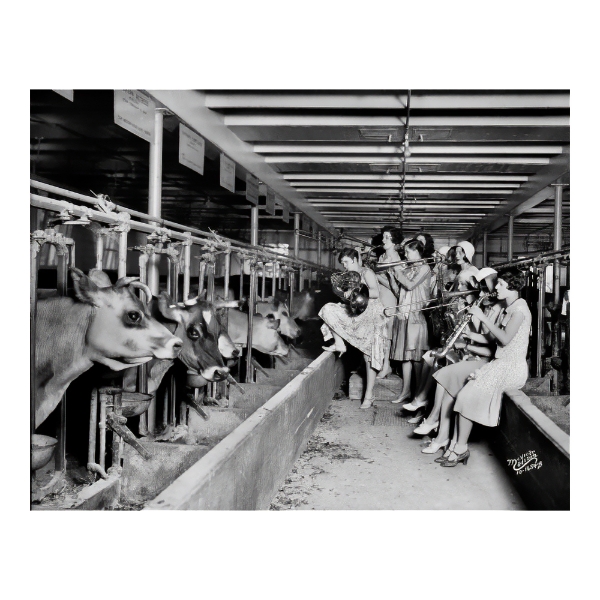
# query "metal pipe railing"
(538, 258)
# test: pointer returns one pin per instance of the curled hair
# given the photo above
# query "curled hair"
(451, 256)
(429, 246)
(395, 232)
(350, 253)
(515, 278)
(415, 244)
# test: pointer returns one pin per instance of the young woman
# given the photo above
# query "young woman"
(481, 398)
(367, 331)
(462, 254)
(409, 338)
(391, 240)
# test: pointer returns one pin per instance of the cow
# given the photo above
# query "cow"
(273, 307)
(205, 341)
(109, 325)
(264, 333)
(279, 310)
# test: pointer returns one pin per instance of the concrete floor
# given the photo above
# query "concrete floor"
(368, 460)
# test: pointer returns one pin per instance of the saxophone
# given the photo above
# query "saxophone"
(460, 327)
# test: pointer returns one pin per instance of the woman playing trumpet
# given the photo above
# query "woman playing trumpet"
(409, 338)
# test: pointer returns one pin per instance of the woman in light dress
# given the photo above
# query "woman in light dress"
(367, 331)
(409, 338)
(480, 399)
(391, 240)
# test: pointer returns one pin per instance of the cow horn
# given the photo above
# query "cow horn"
(226, 304)
(191, 301)
(142, 286)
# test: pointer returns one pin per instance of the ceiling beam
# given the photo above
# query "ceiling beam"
(415, 148)
(301, 186)
(384, 100)
(532, 193)
(189, 106)
(409, 177)
(397, 160)
(419, 190)
(257, 119)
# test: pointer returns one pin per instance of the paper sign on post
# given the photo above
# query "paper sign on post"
(252, 189)
(134, 111)
(270, 208)
(191, 149)
(68, 94)
(227, 179)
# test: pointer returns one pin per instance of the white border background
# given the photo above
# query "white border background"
(263, 45)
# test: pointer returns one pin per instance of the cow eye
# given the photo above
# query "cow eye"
(134, 316)
(193, 333)
(285, 313)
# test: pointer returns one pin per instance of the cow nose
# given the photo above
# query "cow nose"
(221, 374)
(177, 345)
(235, 353)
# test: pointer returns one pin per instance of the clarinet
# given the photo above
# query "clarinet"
(460, 327)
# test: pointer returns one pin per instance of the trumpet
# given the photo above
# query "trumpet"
(388, 311)
(403, 263)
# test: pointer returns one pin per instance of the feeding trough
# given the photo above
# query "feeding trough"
(42, 450)
(134, 403)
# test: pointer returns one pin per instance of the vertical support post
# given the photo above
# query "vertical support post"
(99, 250)
(291, 290)
(558, 201)
(225, 318)
(274, 278)
(61, 461)
(263, 291)
(201, 273)
(252, 294)
(296, 234)
(319, 248)
(33, 271)
(154, 210)
(485, 248)
(540, 319)
(511, 226)
(155, 192)
(300, 278)
(122, 265)
(142, 379)
(187, 260)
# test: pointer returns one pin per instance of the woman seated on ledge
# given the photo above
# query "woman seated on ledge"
(366, 331)
(480, 399)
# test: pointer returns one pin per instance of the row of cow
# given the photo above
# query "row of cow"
(109, 324)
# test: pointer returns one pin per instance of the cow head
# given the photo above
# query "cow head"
(122, 331)
(265, 336)
(205, 341)
(276, 309)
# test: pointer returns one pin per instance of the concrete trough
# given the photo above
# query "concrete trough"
(278, 377)
(245, 470)
(535, 452)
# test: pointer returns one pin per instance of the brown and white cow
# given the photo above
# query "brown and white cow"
(273, 307)
(108, 325)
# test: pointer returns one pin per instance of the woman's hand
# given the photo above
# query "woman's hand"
(476, 312)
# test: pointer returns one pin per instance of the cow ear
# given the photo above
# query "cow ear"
(273, 324)
(85, 289)
(100, 278)
(168, 309)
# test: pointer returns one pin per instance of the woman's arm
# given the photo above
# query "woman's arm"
(504, 336)
(411, 284)
(371, 282)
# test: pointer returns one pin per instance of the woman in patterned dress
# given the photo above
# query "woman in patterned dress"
(366, 331)
(480, 399)
(409, 338)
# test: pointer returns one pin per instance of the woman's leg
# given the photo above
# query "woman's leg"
(406, 378)
(386, 369)
(370, 378)
(445, 416)
(464, 431)
(434, 415)
(339, 342)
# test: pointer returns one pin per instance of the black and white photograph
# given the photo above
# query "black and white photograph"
(300, 314)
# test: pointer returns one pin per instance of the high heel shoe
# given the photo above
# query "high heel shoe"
(444, 457)
(412, 407)
(367, 403)
(425, 429)
(401, 399)
(435, 447)
(382, 375)
(463, 458)
(333, 349)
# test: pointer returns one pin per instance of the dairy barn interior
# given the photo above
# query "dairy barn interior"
(183, 245)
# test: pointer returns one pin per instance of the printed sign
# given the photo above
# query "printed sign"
(134, 111)
(270, 208)
(227, 179)
(68, 94)
(252, 188)
(191, 149)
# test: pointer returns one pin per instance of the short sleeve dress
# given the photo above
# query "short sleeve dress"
(480, 400)
(367, 331)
